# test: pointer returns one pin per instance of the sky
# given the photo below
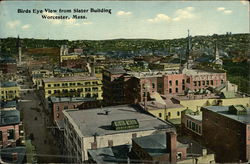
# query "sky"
(138, 19)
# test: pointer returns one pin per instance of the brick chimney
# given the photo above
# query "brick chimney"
(171, 142)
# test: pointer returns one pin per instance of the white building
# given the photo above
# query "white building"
(91, 129)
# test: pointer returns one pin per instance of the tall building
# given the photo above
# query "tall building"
(9, 91)
(226, 130)
(79, 86)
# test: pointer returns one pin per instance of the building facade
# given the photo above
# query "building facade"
(9, 91)
(226, 130)
(78, 86)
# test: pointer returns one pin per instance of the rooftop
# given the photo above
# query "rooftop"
(8, 84)
(116, 70)
(68, 79)
(195, 115)
(224, 111)
(155, 144)
(110, 154)
(70, 99)
(6, 154)
(8, 104)
(9, 117)
(193, 72)
(86, 120)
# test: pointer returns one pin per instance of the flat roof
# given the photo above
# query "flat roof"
(8, 104)
(9, 117)
(155, 144)
(224, 111)
(69, 78)
(8, 84)
(96, 121)
(70, 99)
(192, 72)
(195, 116)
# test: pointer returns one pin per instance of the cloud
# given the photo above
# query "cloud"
(244, 2)
(87, 23)
(24, 27)
(13, 24)
(227, 11)
(123, 13)
(160, 18)
(224, 10)
(221, 9)
(185, 13)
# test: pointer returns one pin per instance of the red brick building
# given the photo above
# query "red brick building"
(226, 130)
(9, 127)
(121, 87)
(8, 65)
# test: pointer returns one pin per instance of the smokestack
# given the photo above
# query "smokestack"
(171, 146)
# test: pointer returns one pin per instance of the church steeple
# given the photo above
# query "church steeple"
(189, 45)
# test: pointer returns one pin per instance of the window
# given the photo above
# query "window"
(176, 82)
(87, 89)
(183, 87)
(57, 115)
(159, 114)
(57, 108)
(212, 82)
(179, 155)
(169, 114)
(88, 95)
(110, 143)
(195, 83)
(178, 113)
(203, 82)
(49, 91)
(153, 85)
(183, 81)
(1, 135)
(176, 90)
(170, 90)
(11, 134)
(221, 81)
(199, 83)
(49, 85)
(65, 107)
(170, 83)
(207, 82)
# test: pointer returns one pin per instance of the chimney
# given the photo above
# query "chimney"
(171, 143)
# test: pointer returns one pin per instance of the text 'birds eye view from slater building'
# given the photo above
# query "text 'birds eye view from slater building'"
(124, 82)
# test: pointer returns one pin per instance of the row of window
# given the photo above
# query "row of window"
(7, 92)
(94, 89)
(176, 82)
(193, 126)
(73, 84)
(169, 114)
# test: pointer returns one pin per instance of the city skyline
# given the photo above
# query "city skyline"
(128, 20)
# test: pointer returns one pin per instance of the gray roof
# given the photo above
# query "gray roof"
(9, 117)
(96, 121)
(116, 70)
(223, 110)
(70, 99)
(8, 84)
(8, 104)
(6, 154)
(155, 144)
(112, 154)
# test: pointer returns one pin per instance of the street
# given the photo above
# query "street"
(35, 125)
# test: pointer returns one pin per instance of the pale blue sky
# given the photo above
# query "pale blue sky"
(141, 19)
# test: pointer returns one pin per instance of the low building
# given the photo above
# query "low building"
(13, 155)
(9, 127)
(167, 148)
(191, 123)
(226, 130)
(8, 105)
(103, 127)
(8, 65)
(58, 104)
(9, 91)
(78, 86)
